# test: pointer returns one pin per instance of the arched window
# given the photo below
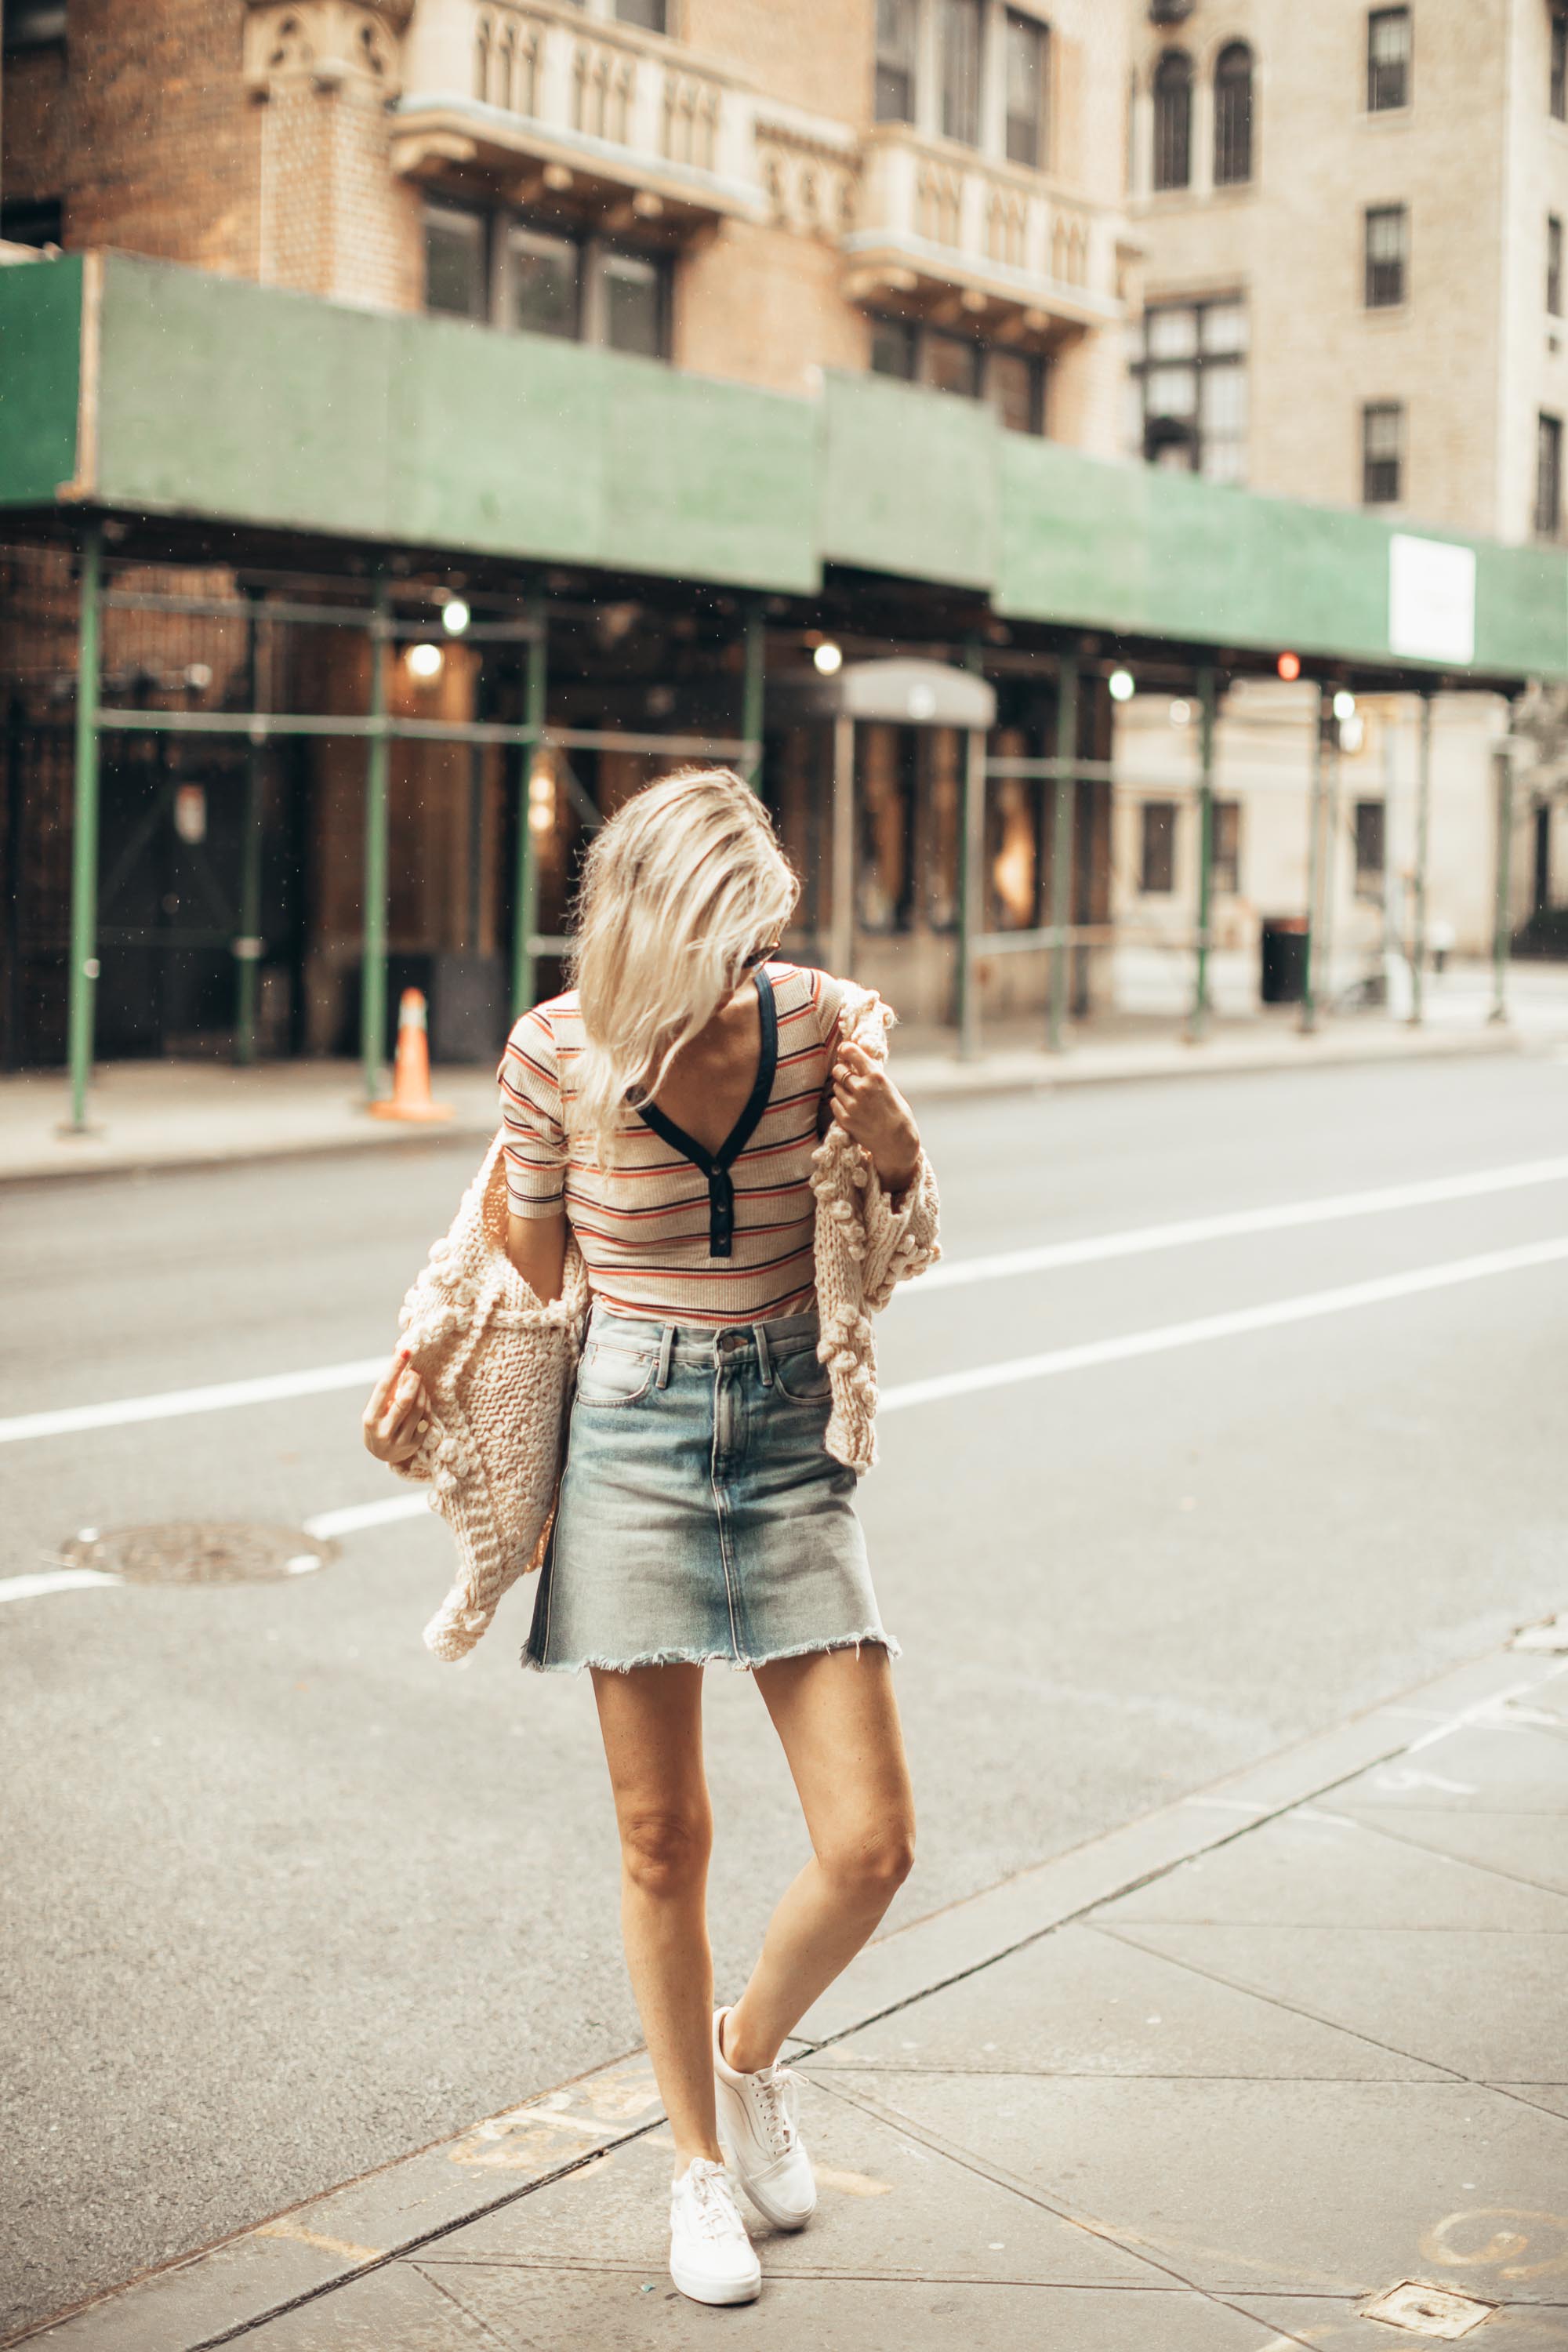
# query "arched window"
(1233, 115)
(1173, 120)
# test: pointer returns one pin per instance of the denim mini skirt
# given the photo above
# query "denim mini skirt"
(699, 1514)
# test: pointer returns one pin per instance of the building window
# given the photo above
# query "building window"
(1157, 849)
(1559, 80)
(1548, 476)
(1382, 453)
(886, 764)
(1012, 382)
(1387, 244)
(651, 15)
(33, 220)
(581, 290)
(1016, 388)
(1173, 120)
(960, 29)
(1224, 861)
(1553, 266)
(455, 262)
(1387, 59)
(1233, 116)
(1028, 84)
(1370, 848)
(1190, 387)
(897, 34)
(32, 25)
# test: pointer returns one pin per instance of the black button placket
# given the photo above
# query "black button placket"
(716, 1165)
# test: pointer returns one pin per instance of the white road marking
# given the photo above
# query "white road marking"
(172, 1404)
(277, 1387)
(367, 1514)
(1169, 1335)
(1095, 1248)
(54, 1579)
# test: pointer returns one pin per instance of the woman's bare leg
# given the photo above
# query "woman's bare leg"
(651, 1719)
(836, 1717)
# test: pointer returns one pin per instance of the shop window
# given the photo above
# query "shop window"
(1190, 378)
(1157, 849)
(942, 761)
(1173, 120)
(1387, 59)
(897, 31)
(884, 809)
(1233, 116)
(1014, 809)
(960, 34)
(1027, 72)
(1370, 848)
(33, 220)
(1382, 453)
(1224, 860)
(455, 262)
(1387, 244)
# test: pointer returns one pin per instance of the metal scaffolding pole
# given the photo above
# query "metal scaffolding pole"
(247, 946)
(525, 885)
(1423, 831)
(1314, 863)
(1207, 696)
(1502, 761)
(378, 757)
(971, 866)
(754, 691)
(841, 924)
(1063, 795)
(84, 850)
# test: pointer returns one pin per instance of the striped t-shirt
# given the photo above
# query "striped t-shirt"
(645, 1232)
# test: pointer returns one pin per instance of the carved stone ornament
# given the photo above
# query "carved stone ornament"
(326, 42)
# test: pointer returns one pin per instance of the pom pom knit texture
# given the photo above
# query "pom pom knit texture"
(500, 1368)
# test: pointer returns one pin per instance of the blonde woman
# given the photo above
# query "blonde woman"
(667, 1108)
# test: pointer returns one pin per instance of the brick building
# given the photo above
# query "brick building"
(469, 404)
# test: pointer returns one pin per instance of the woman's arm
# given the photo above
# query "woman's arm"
(869, 1107)
(537, 1248)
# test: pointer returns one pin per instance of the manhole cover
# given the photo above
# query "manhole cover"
(198, 1551)
(1435, 2312)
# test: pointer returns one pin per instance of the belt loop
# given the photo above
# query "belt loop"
(665, 1350)
(765, 1358)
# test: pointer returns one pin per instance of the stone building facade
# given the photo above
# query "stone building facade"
(1350, 222)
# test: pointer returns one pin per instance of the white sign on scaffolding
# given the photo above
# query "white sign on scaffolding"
(1431, 599)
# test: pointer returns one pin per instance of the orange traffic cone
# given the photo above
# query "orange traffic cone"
(411, 1072)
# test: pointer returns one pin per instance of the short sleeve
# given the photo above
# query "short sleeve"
(530, 1105)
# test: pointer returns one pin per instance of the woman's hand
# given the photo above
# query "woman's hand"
(869, 1107)
(398, 1414)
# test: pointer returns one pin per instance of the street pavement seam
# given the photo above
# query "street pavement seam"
(1309, 1770)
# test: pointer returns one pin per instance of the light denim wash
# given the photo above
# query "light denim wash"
(700, 1515)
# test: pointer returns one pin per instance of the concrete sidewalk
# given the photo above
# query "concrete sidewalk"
(147, 1114)
(1283, 2064)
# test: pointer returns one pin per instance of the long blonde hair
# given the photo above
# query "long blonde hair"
(681, 889)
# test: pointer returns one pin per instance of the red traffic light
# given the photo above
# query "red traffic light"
(1289, 666)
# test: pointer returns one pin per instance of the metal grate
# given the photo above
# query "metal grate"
(198, 1551)
(1435, 2312)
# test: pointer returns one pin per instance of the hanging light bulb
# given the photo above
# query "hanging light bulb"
(424, 661)
(828, 657)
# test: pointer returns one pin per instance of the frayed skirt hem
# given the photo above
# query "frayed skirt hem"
(873, 1638)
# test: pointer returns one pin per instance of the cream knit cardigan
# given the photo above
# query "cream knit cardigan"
(500, 1368)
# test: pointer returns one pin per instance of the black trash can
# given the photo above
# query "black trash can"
(1283, 978)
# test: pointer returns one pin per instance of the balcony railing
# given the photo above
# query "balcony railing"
(933, 220)
(494, 84)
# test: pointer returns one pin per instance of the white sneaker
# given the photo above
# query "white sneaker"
(760, 2137)
(710, 2256)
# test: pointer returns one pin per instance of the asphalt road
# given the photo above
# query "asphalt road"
(286, 1898)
